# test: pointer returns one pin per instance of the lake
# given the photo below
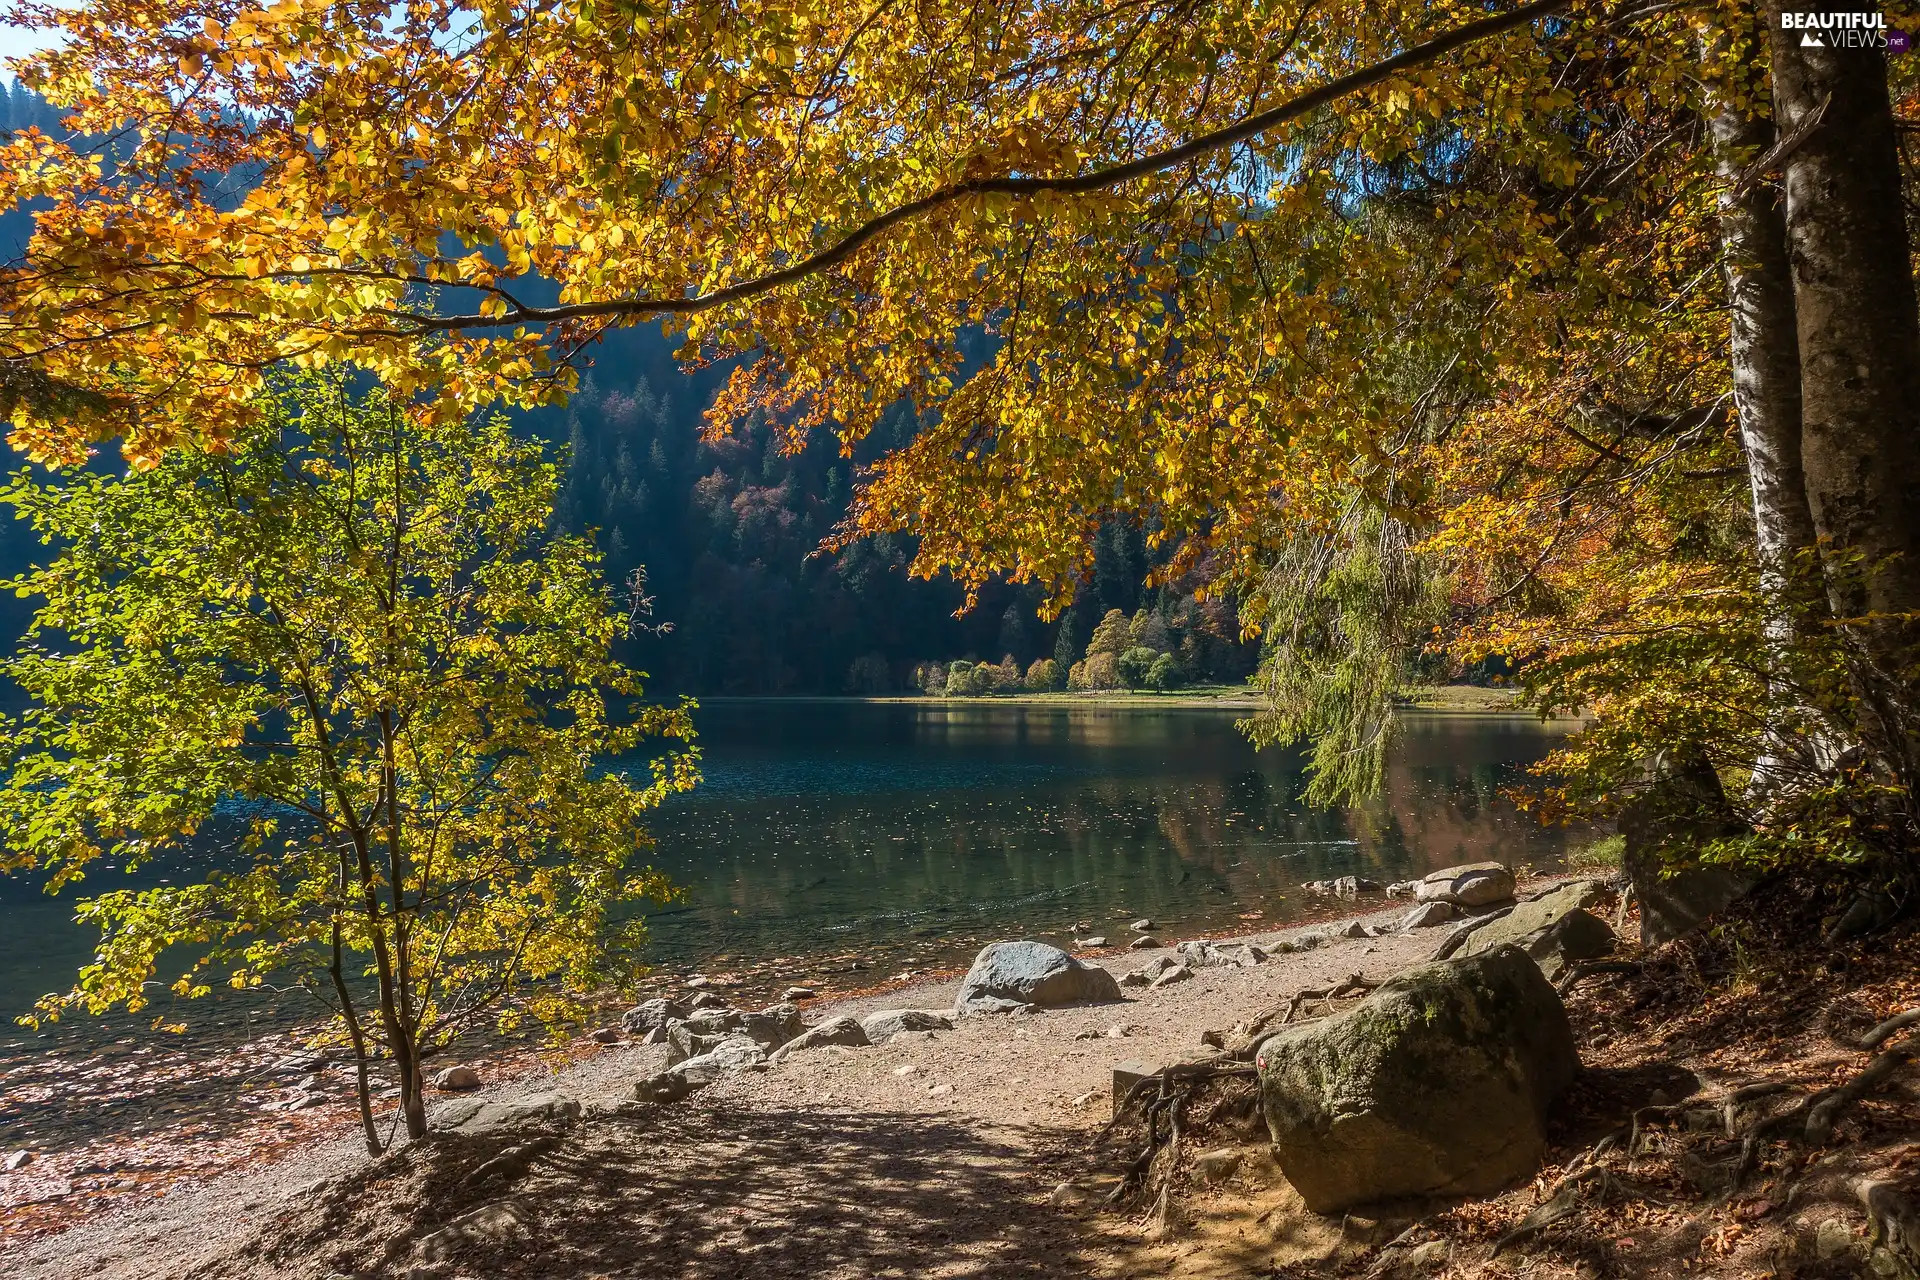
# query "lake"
(834, 837)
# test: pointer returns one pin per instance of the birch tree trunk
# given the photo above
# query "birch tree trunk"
(1765, 354)
(1859, 340)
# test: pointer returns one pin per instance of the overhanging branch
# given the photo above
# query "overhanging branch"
(1078, 184)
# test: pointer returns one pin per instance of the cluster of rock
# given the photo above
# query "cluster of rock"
(707, 1040)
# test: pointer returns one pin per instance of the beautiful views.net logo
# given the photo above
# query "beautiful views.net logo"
(1846, 31)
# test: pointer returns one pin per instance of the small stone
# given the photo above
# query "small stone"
(1353, 929)
(1068, 1194)
(1098, 940)
(797, 993)
(608, 1035)
(1084, 1098)
(1115, 1033)
(1428, 914)
(1142, 925)
(457, 1079)
(908, 1070)
(699, 983)
(1832, 1239)
(1145, 943)
(888, 1023)
(1217, 1166)
(705, 1000)
(1430, 1256)
(666, 1086)
(939, 1090)
(18, 1160)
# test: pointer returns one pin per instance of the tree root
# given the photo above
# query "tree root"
(1249, 1032)
(1581, 970)
(1813, 1118)
(1879, 1035)
(1172, 1088)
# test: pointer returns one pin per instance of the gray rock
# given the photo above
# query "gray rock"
(1474, 884)
(457, 1079)
(502, 1222)
(1098, 940)
(1145, 943)
(649, 1014)
(18, 1160)
(797, 993)
(1554, 929)
(1403, 889)
(732, 1055)
(773, 1026)
(1684, 808)
(535, 1108)
(687, 1041)
(1142, 925)
(666, 1086)
(1219, 955)
(1147, 972)
(1217, 1165)
(452, 1115)
(704, 1000)
(841, 1030)
(1427, 915)
(1352, 929)
(888, 1023)
(608, 1035)
(1170, 975)
(1869, 911)
(1031, 973)
(715, 1020)
(1437, 1084)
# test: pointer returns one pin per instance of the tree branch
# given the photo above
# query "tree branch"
(1079, 184)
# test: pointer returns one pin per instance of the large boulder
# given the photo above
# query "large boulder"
(1473, 884)
(1006, 975)
(1555, 929)
(844, 1030)
(1662, 830)
(475, 1116)
(1437, 1084)
(888, 1023)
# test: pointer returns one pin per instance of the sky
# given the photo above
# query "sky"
(15, 41)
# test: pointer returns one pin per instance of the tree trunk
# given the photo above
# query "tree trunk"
(1859, 339)
(1765, 355)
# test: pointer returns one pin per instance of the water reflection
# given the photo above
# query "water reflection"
(924, 828)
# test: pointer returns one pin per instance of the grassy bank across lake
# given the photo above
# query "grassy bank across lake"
(1461, 698)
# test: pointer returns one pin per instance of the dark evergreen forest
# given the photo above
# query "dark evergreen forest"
(729, 533)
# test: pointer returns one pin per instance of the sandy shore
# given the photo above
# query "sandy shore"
(957, 1138)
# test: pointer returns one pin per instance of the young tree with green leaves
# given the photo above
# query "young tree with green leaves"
(356, 622)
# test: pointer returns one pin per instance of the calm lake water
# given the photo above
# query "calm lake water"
(831, 837)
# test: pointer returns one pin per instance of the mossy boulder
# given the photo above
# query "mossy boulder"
(1437, 1084)
(1555, 928)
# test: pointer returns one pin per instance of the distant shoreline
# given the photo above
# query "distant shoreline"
(1459, 699)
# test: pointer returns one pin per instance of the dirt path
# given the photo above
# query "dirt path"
(932, 1155)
